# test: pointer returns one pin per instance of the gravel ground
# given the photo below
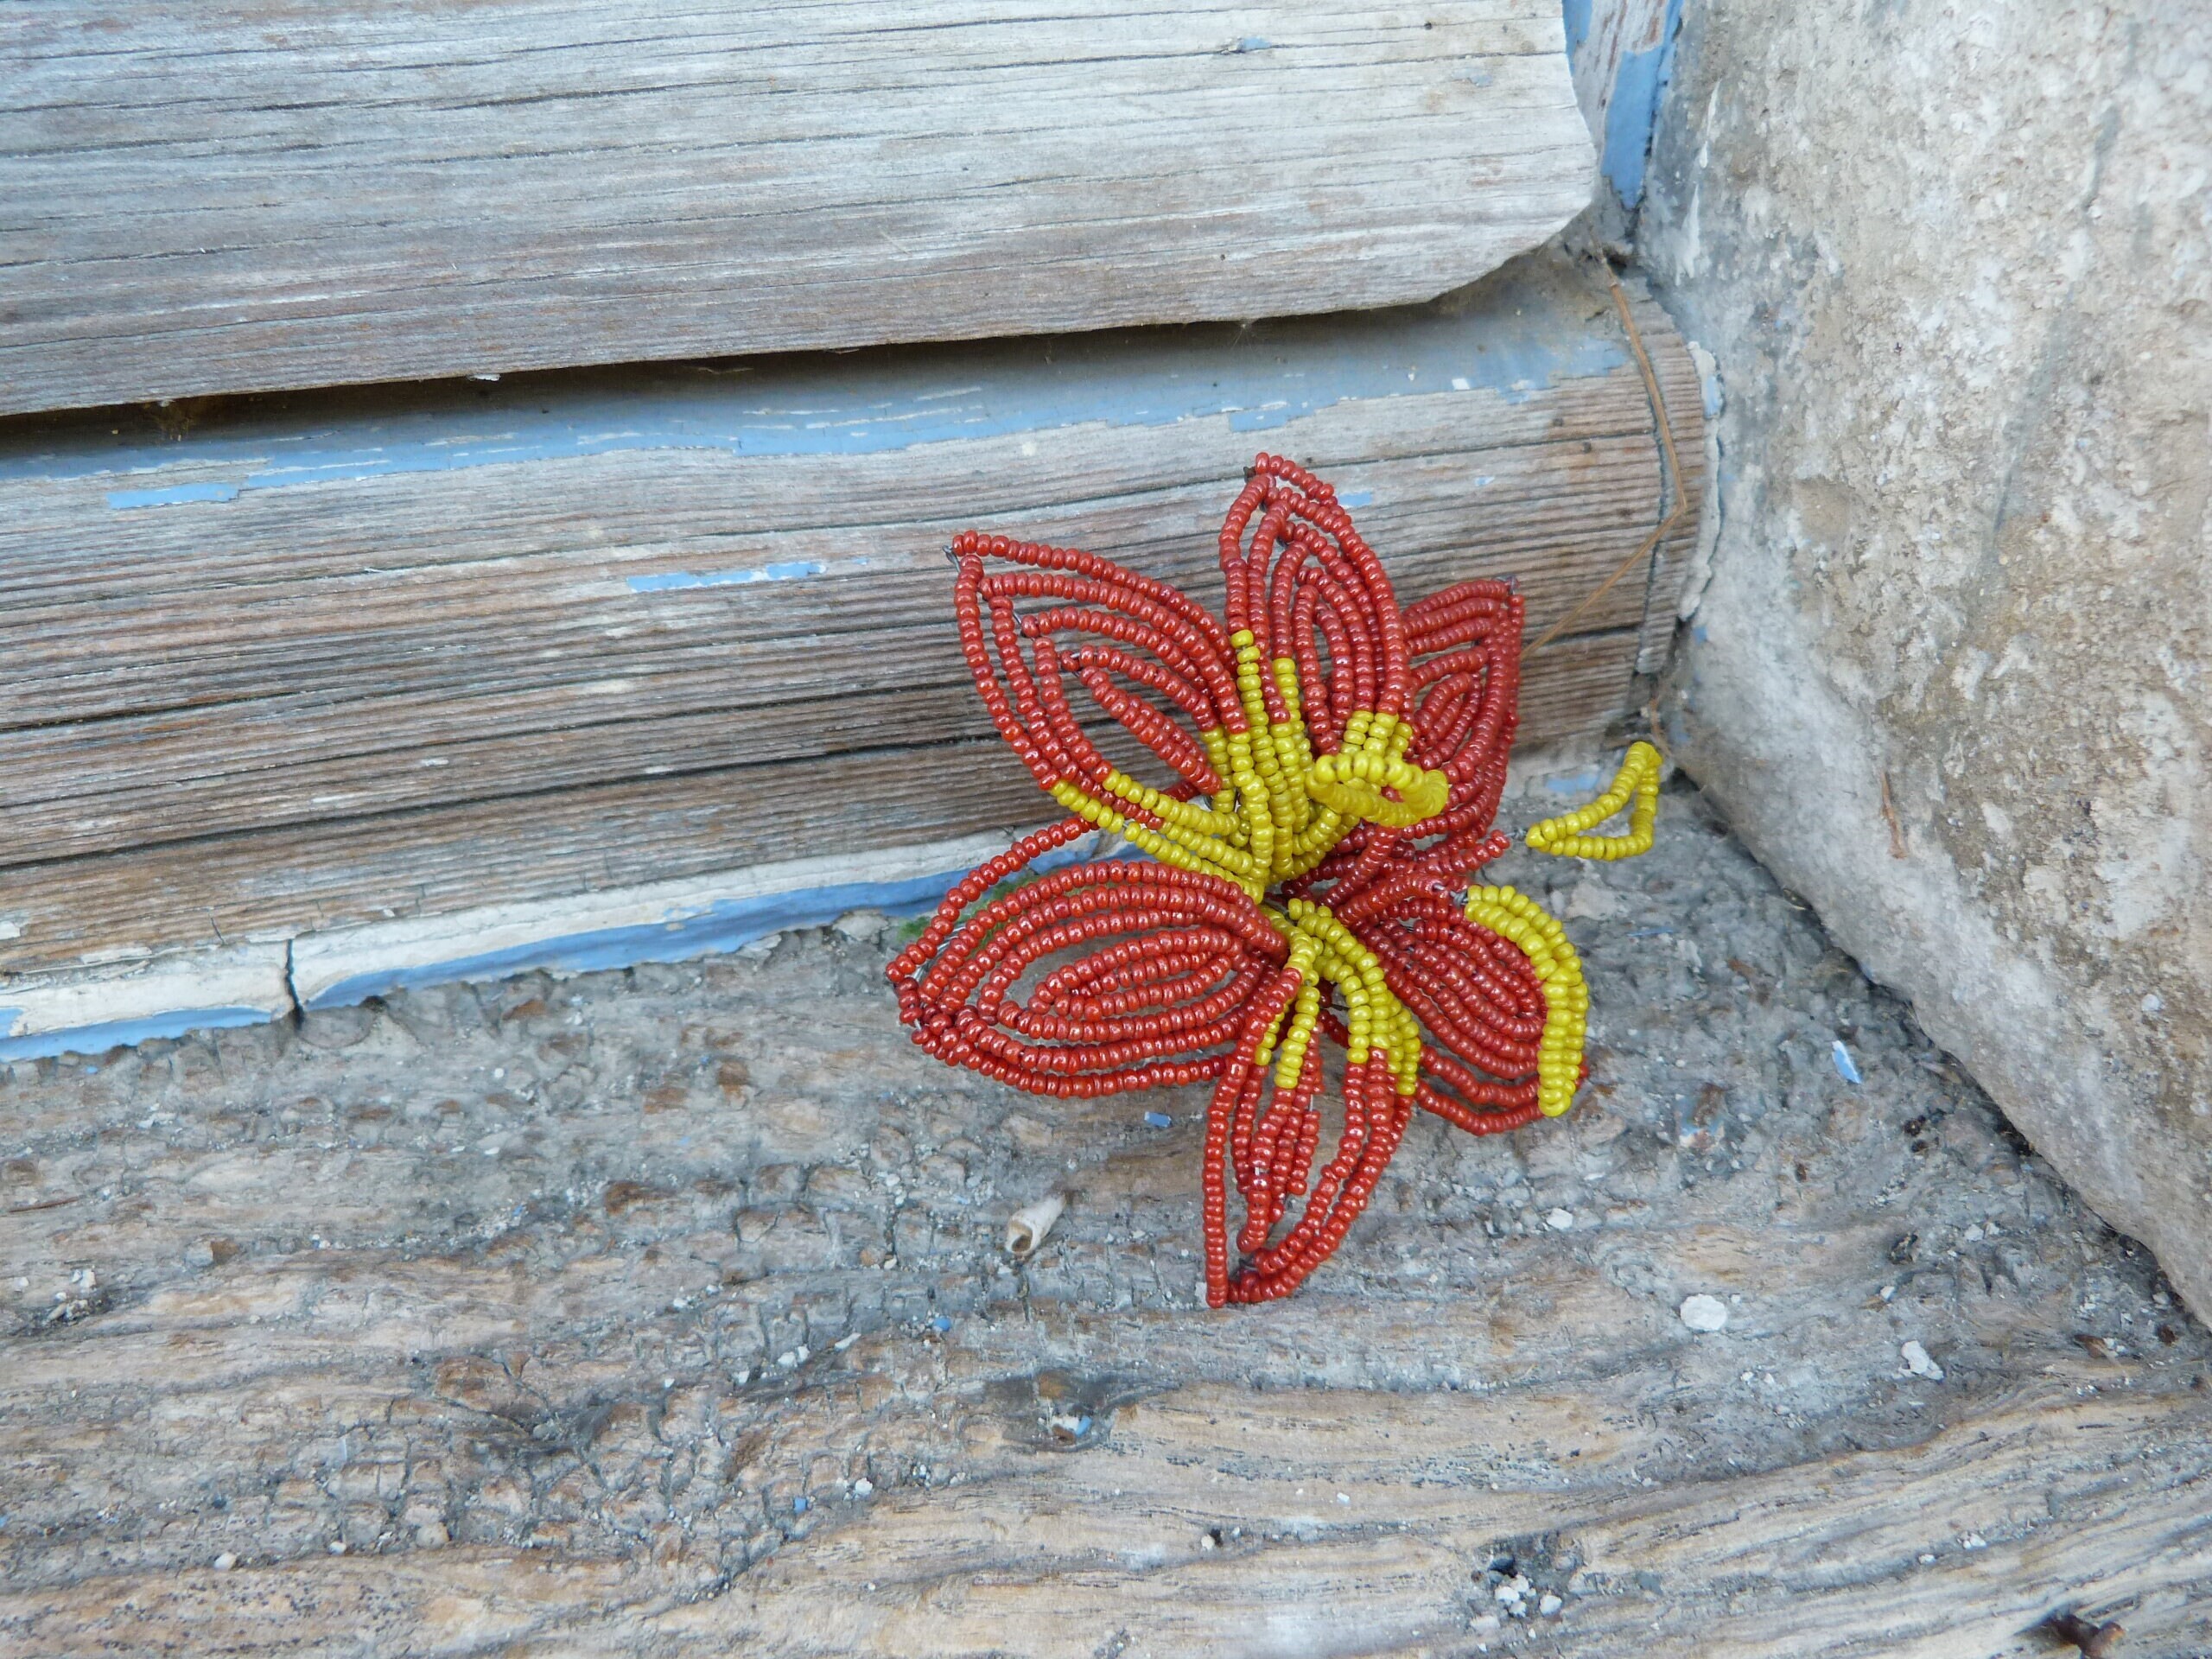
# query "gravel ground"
(688, 1267)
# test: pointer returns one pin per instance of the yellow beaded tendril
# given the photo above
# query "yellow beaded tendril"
(1517, 916)
(1636, 786)
(1285, 808)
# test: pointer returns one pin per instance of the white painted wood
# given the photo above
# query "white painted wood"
(96, 1007)
(339, 966)
(255, 195)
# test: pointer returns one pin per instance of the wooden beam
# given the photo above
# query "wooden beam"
(341, 659)
(278, 884)
(264, 196)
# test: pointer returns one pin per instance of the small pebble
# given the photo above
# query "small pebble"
(1704, 1313)
(1918, 1361)
(940, 1324)
(1550, 1605)
(225, 1562)
(860, 925)
(1561, 1221)
(863, 1487)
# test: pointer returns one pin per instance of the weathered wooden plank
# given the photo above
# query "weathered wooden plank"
(1558, 516)
(95, 1007)
(274, 883)
(667, 1313)
(299, 759)
(262, 196)
(317, 665)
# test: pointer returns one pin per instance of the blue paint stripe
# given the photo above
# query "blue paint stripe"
(789, 570)
(118, 1034)
(720, 928)
(1515, 338)
(125, 500)
(1575, 15)
(1634, 110)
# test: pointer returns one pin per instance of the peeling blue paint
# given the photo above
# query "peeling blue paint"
(1634, 107)
(1575, 13)
(119, 1034)
(1516, 338)
(123, 500)
(1357, 498)
(788, 570)
(715, 929)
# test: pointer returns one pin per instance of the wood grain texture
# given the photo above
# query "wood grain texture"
(262, 195)
(273, 883)
(334, 660)
(664, 1314)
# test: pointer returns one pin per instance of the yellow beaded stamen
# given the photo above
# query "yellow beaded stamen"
(1636, 786)
(1325, 951)
(1284, 809)
(1517, 916)
(1353, 784)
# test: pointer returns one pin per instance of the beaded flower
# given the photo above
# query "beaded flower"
(1309, 883)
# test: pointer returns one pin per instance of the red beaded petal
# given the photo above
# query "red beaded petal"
(1115, 975)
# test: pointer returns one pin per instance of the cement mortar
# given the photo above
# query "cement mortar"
(1949, 677)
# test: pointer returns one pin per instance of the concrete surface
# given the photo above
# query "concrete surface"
(665, 1311)
(1949, 678)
